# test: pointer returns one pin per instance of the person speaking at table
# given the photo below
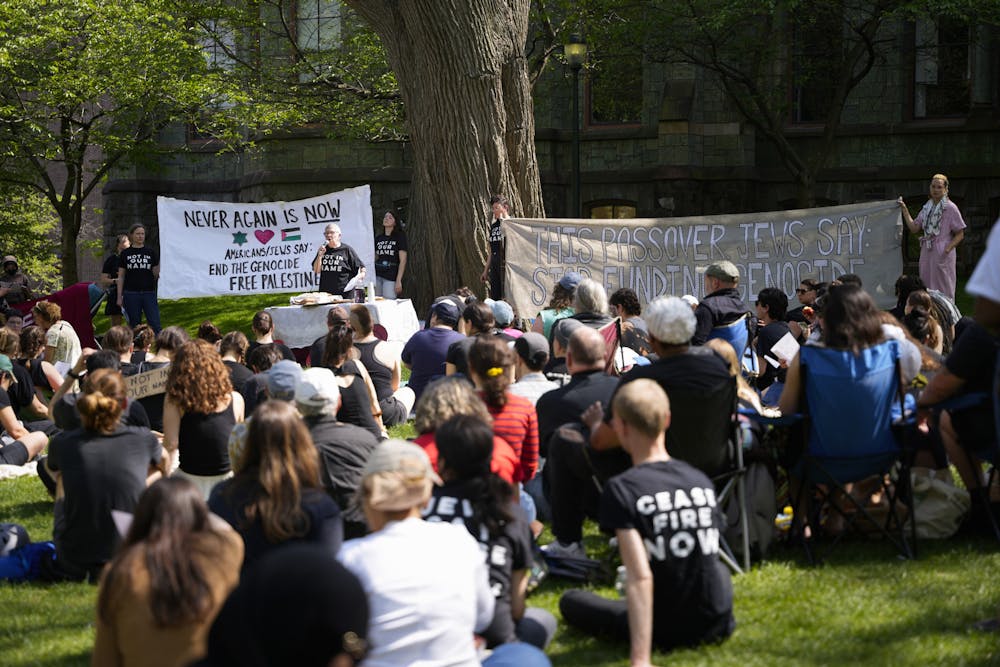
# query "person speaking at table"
(336, 262)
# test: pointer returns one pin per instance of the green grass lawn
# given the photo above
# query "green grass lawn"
(863, 606)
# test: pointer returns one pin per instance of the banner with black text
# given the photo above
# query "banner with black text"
(218, 248)
(668, 256)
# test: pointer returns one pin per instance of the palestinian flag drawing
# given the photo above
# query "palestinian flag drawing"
(291, 234)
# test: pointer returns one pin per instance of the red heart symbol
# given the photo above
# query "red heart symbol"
(264, 235)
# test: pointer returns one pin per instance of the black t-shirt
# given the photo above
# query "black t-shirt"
(111, 265)
(238, 373)
(697, 368)
(973, 359)
(673, 507)
(66, 417)
(766, 338)
(567, 403)
(36, 373)
(496, 239)
(339, 265)
(138, 264)
(343, 451)
(99, 473)
(796, 315)
(506, 553)
(387, 249)
(21, 393)
(230, 499)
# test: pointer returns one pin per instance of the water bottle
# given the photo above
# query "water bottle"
(620, 580)
(783, 521)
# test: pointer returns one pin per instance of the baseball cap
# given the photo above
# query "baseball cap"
(282, 379)
(724, 270)
(690, 299)
(317, 392)
(397, 476)
(533, 348)
(570, 280)
(502, 312)
(446, 311)
(564, 328)
(7, 367)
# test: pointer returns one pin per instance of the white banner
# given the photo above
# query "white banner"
(218, 248)
(668, 256)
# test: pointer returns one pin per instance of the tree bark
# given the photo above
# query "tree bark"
(464, 81)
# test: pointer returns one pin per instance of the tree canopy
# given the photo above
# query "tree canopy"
(88, 84)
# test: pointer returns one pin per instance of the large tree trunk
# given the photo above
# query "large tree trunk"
(71, 217)
(464, 81)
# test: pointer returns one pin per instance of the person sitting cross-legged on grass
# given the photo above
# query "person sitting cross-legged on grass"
(159, 595)
(664, 514)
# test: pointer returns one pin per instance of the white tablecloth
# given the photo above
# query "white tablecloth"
(299, 326)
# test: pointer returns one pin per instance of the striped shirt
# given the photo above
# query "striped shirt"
(517, 423)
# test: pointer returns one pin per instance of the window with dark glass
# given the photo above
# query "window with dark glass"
(815, 64)
(942, 76)
(614, 88)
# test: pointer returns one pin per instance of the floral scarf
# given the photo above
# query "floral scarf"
(932, 216)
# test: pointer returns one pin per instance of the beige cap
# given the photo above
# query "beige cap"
(398, 476)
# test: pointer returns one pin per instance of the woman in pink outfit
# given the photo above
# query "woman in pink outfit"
(943, 229)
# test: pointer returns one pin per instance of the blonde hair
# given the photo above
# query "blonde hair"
(940, 177)
(50, 311)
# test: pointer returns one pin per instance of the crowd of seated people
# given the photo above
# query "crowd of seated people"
(243, 465)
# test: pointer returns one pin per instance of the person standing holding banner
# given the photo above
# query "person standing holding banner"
(944, 229)
(336, 263)
(493, 271)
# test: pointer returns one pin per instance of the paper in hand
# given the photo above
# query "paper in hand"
(786, 348)
(123, 521)
(354, 283)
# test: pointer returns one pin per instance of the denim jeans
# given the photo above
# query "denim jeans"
(137, 303)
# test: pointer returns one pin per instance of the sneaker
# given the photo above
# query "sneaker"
(559, 550)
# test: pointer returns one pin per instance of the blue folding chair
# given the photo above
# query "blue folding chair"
(851, 436)
(737, 334)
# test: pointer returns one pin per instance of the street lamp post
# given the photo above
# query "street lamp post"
(576, 54)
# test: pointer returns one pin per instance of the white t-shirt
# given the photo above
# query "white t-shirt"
(428, 591)
(985, 280)
(63, 338)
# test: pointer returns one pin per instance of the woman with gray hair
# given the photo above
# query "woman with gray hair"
(336, 262)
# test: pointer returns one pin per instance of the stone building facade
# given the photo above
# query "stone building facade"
(685, 152)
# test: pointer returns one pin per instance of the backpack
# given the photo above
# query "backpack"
(762, 508)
